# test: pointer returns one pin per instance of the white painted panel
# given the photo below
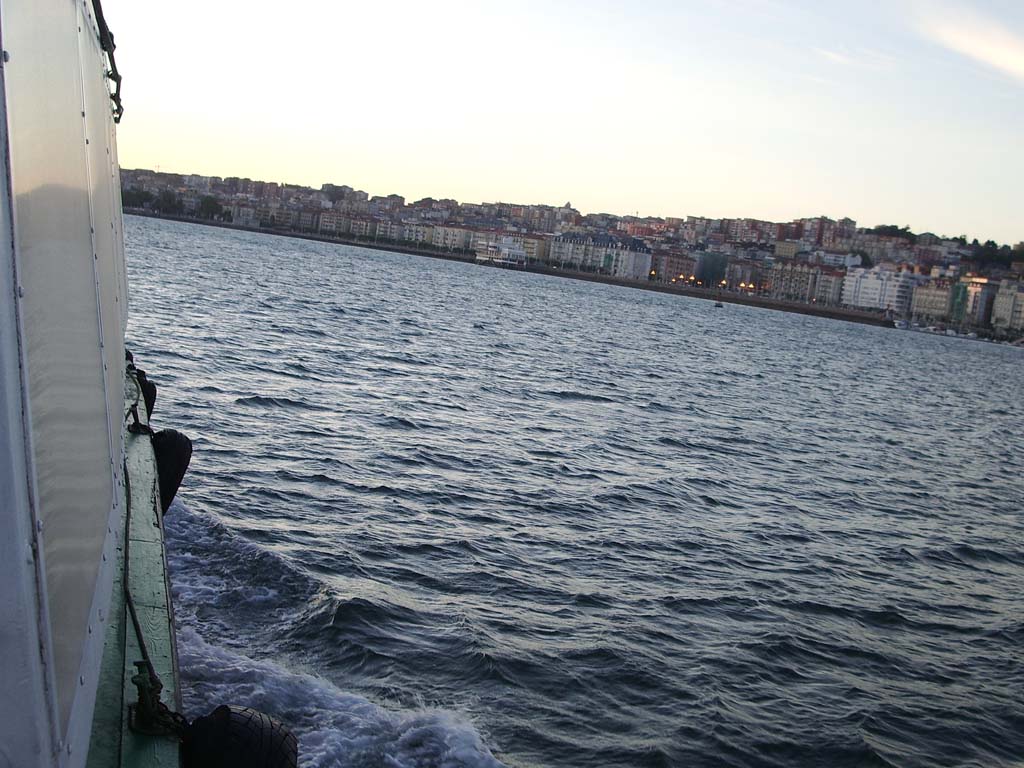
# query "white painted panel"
(27, 732)
(104, 184)
(62, 188)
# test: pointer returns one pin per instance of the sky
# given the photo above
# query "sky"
(907, 112)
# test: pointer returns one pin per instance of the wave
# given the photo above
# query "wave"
(581, 397)
(248, 595)
(335, 729)
(604, 543)
(262, 401)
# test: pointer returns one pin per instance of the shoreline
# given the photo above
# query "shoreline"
(779, 305)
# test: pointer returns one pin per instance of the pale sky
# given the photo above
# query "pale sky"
(907, 112)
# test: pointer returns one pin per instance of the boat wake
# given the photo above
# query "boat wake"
(335, 729)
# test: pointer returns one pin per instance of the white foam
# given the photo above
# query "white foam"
(335, 729)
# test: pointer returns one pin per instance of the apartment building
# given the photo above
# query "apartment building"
(1008, 306)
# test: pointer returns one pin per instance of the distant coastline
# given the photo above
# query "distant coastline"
(726, 297)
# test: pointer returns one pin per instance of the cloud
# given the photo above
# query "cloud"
(973, 34)
(864, 58)
(834, 56)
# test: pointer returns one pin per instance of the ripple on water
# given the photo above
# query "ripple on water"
(441, 515)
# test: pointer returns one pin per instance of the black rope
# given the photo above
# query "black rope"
(107, 44)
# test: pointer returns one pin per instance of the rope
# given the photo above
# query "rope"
(107, 44)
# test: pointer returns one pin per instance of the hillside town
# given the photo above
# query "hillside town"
(930, 281)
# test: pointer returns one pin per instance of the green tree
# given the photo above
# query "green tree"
(135, 198)
(168, 202)
(891, 230)
(865, 259)
(209, 207)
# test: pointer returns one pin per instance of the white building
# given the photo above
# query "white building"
(602, 254)
(451, 238)
(511, 247)
(417, 233)
(878, 288)
(840, 260)
(1008, 306)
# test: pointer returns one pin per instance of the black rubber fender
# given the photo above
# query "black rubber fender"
(238, 737)
(148, 391)
(173, 453)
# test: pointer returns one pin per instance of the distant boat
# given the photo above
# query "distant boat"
(719, 304)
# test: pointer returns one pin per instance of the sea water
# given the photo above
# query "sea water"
(446, 515)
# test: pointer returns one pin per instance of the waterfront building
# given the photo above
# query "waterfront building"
(272, 215)
(389, 230)
(932, 301)
(629, 259)
(711, 268)
(536, 248)
(509, 247)
(1008, 306)
(881, 287)
(417, 233)
(629, 263)
(501, 249)
(973, 298)
(360, 227)
(244, 215)
(673, 265)
(793, 280)
(451, 238)
(569, 252)
(743, 272)
(684, 264)
(329, 222)
(829, 289)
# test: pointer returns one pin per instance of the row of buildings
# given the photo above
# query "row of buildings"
(816, 260)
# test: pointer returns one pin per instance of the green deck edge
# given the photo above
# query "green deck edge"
(112, 743)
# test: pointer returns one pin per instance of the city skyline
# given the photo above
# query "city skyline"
(284, 183)
(817, 265)
(906, 115)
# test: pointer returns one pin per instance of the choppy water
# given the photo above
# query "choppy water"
(444, 515)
